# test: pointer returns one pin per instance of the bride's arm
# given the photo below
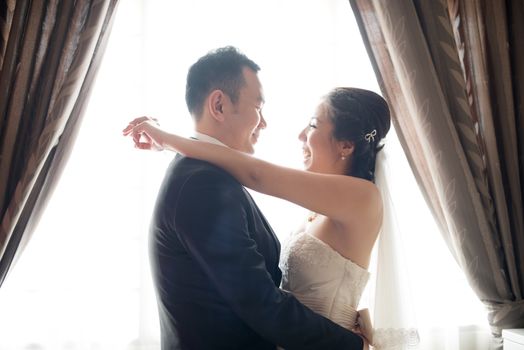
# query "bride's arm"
(339, 197)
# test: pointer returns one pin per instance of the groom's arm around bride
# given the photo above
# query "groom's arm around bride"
(219, 273)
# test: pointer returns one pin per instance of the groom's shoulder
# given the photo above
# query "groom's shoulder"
(194, 170)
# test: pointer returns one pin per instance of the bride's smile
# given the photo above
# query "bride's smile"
(307, 155)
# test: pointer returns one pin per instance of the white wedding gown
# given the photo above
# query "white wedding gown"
(332, 286)
(322, 279)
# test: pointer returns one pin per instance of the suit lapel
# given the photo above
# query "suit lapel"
(267, 226)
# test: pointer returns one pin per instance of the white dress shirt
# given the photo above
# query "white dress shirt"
(203, 137)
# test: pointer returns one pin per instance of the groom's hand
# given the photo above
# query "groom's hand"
(365, 343)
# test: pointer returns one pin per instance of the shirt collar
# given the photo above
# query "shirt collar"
(203, 137)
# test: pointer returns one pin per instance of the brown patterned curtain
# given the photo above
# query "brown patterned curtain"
(49, 55)
(453, 72)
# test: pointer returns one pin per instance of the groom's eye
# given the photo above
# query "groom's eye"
(311, 125)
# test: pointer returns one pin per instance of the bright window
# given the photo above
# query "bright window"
(83, 281)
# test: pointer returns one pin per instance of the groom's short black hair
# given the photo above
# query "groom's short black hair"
(220, 69)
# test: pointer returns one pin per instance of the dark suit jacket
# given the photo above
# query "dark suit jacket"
(215, 267)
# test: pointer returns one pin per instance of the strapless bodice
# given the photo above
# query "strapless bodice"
(322, 279)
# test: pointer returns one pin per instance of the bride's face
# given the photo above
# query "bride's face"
(322, 153)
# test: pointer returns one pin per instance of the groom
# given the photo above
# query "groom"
(214, 255)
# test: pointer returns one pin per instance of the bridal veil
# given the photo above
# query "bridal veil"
(390, 300)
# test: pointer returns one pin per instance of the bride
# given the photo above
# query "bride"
(325, 264)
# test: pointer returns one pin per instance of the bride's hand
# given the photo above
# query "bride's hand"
(145, 133)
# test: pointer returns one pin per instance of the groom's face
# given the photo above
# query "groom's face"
(244, 118)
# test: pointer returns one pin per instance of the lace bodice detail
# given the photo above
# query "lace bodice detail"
(322, 279)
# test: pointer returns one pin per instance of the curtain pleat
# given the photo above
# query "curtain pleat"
(503, 91)
(6, 16)
(516, 32)
(452, 72)
(63, 149)
(52, 56)
(15, 84)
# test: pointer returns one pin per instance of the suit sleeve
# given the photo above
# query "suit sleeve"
(211, 222)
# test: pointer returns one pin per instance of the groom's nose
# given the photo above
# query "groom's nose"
(262, 124)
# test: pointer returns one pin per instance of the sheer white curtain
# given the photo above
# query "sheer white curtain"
(84, 283)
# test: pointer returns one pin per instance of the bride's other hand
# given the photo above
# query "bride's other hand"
(145, 133)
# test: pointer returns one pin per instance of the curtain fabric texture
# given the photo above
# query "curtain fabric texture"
(49, 55)
(453, 73)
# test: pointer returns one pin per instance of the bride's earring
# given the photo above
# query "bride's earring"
(343, 157)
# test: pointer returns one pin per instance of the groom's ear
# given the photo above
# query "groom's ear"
(215, 104)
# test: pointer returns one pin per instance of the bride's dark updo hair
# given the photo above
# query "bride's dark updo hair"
(362, 117)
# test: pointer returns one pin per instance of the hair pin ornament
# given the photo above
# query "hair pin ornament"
(371, 135)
